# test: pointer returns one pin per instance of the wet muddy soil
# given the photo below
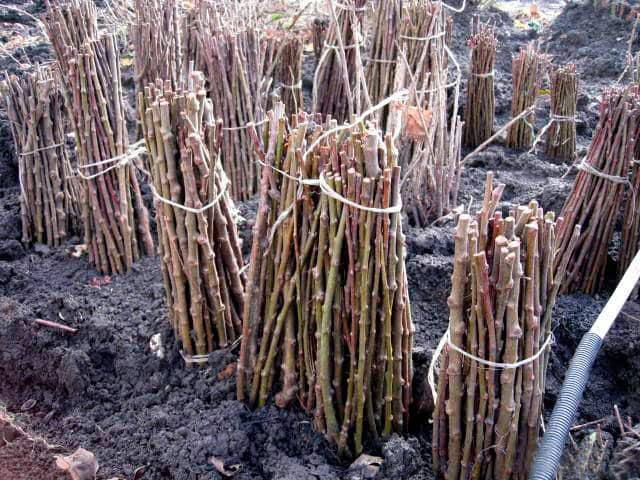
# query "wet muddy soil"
(107, 390)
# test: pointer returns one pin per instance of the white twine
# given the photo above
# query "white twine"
(330, 192)
(587, 167)
(42, 149)
(424, 39)
(562, 118)
(246, 125)
(191, 359)
(350, 8)
(133, 151)
(399, 96)
(453, 9)
(346, 47)
(446, 340)
(212, 203)
(484, 75)
(294, 86)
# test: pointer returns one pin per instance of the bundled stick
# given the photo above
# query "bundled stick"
(383, 53)
(199, 246)
(527, 70)
(561, 135)
(115, 219)
(339, 71)
(156, 38)
(479, 111)
(283, 65)
(327, 318)
(235, 63)
(507, 273)
(597, 193)
(50, 193)
(430, 140)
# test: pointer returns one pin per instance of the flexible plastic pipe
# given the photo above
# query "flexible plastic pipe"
(548, 456)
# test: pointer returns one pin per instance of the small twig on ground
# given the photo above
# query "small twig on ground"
(59, 326)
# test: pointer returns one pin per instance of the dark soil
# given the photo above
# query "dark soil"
(106, 390)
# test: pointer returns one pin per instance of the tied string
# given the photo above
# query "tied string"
(423, 39)
(132, 152)
(350, 8)
(42, 149)
(325, 188)
(337, 47)
(194, 359)
(483, 75)
(587, 167)
(246, 125)
(446, 341)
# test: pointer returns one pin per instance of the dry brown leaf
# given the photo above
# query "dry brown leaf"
(226, 470)
(81, 464)
(228, 371)
(415, 127)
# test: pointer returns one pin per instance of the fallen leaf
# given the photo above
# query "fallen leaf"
(228, 371)
(226, 470)
(95, 282)
(28, 405)
(415, 127)
(533, 10)
(106, 280)
(81, 464)
(78, 250)
(365, 466)
(139, 472)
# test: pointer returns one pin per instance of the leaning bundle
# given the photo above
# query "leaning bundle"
(507, 273)
(527, 70)
(479, 110)
(234, 58)
(49, 200)
(631, 219)
(339, 69)
(430, 151)
(156, 38)
(561, 135)
(199, 246)
(116, 223)
(327, 318)
(597, 193)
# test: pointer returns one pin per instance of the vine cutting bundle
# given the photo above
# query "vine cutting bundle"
(597, 194)
(480, 107)
(561, 135)
(339, 71)
(429, 153)
(527, 69)
(199, 245)
(327, 318)
(115, 219)
(49, 203)
(507, 273)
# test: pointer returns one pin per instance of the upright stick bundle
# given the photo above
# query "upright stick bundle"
(156, 38)
(430, 158)
(283, 65)
(49, 200)
(201, 257)
(561, 135)
(527, 70)
(235, 65)
(339, 70)
(479, 110)
(507, 273)
(597, 193)
(116, 223)
(383, 53)
(327, 318)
